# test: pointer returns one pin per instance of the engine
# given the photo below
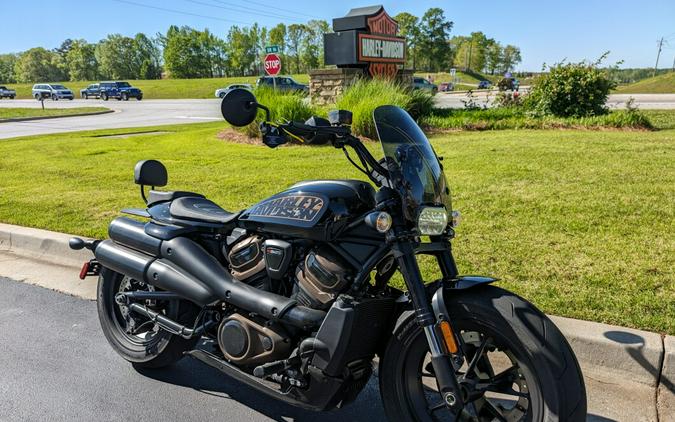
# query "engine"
(320, 273)
(313, 277)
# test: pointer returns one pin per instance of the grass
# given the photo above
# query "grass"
(661, 84)
(579, 222)
(164, 88)
(517, 118)
(15, 113)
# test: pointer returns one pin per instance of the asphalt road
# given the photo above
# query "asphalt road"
(163, 112)
(130, 113)
(57, 366)
(615, 101)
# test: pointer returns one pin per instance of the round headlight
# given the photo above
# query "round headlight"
(432, 221)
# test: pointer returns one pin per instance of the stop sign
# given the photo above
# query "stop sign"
(272, 64)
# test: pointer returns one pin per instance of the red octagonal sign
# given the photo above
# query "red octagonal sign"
(272, 64)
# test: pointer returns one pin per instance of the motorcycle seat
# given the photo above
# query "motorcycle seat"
(156, 196)
(199, 208)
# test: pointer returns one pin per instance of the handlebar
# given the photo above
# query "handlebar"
(340, 136)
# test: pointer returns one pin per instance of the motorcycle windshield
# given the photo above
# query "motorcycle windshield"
(412, 162)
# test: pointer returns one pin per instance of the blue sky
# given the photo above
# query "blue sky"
(546, 31)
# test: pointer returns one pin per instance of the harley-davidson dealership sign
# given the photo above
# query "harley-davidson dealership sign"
(366, 38)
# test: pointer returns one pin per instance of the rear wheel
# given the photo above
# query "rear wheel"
(104, 96)
(125, 96)
(518, 365)
(135, 338)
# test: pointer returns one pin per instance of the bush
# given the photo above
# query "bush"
(508, 99)
(364, 96)
(283, 106)
(571, 90)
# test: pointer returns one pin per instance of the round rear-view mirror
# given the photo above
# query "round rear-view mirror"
(239, 107)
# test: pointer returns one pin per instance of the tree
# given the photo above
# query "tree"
(147, 58)
(277, 36)
(189, 53)
(294, 36)
(117, 57)
(510, 57)
(493, 56)
(408, 27)
(81, 61)
(38, 64)
(316, 28)
(241, 51)
(7, 63)
(435, 48)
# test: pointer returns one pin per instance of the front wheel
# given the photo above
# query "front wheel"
(138, 339)
(518, 366)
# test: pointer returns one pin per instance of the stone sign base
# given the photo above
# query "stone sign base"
(326, 85)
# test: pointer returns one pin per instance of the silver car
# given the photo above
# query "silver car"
(220, 93)
(53, 91)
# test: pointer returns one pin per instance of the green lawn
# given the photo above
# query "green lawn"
(164, 88)
(661, 84)
(579, 222)
(15, 113)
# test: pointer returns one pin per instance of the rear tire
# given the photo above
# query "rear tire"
(104, 96)
(156, 351)
(125, 96)
(540, 359)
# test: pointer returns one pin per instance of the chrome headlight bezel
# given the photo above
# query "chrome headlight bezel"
(432, 221)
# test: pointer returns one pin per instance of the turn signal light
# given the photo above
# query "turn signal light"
(448, 337)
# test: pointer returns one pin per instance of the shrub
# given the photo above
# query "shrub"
(364, 96)
(508, 99)
(571, 90)
(283, 106)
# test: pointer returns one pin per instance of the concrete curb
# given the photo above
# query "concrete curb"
(666, 392)
(27, 119)
(40, 244)
(632, 364)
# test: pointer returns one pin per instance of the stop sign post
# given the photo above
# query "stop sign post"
(272, 64)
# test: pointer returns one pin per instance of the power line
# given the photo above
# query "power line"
(181, 12)
(242, 9)
(280, 9)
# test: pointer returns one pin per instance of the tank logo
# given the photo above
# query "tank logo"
(292, 207)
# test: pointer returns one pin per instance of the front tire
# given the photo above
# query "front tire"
(154, 348)
(544, 379)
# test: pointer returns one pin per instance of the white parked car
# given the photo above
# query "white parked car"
(7, 93)
(220, 93)
(53, 91)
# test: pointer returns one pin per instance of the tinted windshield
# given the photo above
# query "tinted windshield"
(58, 87)
(123, 84)
(411, 160)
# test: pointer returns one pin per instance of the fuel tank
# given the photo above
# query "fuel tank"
(314, 209)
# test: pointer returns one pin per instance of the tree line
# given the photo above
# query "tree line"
(185, 52)
(430, 47)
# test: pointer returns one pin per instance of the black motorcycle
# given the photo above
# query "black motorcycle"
(292, 296)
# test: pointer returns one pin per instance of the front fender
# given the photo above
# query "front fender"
(461, 283)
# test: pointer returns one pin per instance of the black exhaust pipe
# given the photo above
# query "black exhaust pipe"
(131, 233)
(156, 272)
(188, 270)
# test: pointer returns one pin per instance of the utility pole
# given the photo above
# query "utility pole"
(658, 54)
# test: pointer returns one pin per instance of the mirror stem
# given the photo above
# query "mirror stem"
(267, 111)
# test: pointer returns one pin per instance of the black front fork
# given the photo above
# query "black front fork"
(441, 359)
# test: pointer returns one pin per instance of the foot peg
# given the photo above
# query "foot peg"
(272, 368)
